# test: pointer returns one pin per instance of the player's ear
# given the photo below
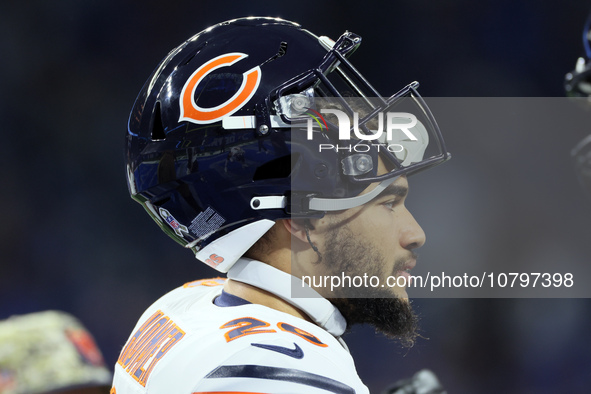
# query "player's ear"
(297, 228)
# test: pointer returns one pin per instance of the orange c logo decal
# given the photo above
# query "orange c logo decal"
(191, 112)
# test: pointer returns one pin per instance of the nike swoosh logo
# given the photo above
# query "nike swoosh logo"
(295, 353)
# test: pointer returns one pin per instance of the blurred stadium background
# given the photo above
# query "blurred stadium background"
(72, 239)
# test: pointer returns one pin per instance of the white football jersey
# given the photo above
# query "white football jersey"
(185, 343)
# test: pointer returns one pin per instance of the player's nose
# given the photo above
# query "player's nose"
(412, 235)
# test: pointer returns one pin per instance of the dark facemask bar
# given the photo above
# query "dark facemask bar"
(335, 61)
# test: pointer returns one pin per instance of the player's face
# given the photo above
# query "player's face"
(374, 240)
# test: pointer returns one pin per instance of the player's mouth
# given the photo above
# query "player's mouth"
(405, 271)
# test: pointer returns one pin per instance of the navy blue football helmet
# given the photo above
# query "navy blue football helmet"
(223, 138)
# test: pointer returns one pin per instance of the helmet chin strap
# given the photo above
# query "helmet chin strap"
(323, 204)
(339, 204)
(266, 277)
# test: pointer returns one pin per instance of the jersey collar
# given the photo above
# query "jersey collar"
(266, 277)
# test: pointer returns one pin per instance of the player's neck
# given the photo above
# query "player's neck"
(259, 296)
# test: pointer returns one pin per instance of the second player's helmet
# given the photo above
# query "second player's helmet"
(228, 135)
(578, 82)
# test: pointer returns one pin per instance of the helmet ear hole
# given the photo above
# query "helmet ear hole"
(276, 169)
(157, 127)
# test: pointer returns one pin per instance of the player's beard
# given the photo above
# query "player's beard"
(392, 317)
(377, 306)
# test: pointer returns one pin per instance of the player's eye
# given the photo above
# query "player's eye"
(390, 204)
